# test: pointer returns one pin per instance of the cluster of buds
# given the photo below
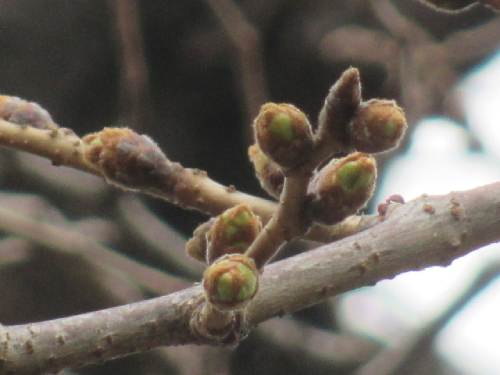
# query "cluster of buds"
(347, 125)
(231, 280)
(331, 168)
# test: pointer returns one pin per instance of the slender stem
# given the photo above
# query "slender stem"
(286, 223)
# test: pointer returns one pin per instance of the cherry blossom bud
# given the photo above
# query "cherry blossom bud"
(284, 134)
(378, 126)
(231, 282)
(341, 188)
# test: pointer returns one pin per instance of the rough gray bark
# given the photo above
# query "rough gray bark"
(431, 230)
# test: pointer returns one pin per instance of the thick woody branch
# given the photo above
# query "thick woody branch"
(429, 231)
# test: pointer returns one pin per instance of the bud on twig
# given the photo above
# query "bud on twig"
(341, 188)
(378, 126)
(232, 232)
(196, 247)
(231, 282)
(284, 134)
(270, 174)
(340, 106)
(22, 112)
(130, 160)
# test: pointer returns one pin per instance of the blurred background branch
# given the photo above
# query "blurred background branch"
(168, 70)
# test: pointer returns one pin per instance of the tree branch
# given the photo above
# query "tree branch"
(428, 231)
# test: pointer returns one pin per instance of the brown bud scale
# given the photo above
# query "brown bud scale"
(341, 188)
(283, 134)
(270, 175)
(22, 112)
(130, 160)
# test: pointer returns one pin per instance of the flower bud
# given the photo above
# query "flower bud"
(130, 160)
(378, 126)
(340, 106)
(231, 282)
(22, 112)
(270, 174)
(196, 247)
(232, 232)
(284, 134)
(341, 188)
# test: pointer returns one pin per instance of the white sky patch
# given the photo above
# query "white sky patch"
(439, 161)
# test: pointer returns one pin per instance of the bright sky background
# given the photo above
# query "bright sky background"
(438, 161)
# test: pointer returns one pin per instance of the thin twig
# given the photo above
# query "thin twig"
(246, 40)
(103, 258)
(160, 241)
(134, 77)
(199, 191)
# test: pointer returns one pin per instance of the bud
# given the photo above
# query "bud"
(378, 126)
(270, 174)
(284, 134)
(231, 282)
(232, 232)
(341, 188)
(130, 160)
(340, 106)
(22, 112)
(196, 247)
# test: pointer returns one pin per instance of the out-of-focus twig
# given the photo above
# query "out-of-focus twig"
(421, 70)
(160, 242)
(408, 350)
(335, 350)
(246, 40)
(102, 258)
(134, 77)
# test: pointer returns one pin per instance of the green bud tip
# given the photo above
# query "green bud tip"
(390, 128)
(283, 134)
(353, 177)
(227, 284)
(233, 224)
(247, 289)
(225, 288)
(231, 281)
(281, 124)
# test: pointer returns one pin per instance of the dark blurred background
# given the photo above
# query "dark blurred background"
(192, 75)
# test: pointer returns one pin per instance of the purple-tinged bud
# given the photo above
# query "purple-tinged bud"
(22, 112)
(130, 160)
(340, 106)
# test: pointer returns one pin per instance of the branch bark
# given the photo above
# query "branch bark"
(428, 231)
